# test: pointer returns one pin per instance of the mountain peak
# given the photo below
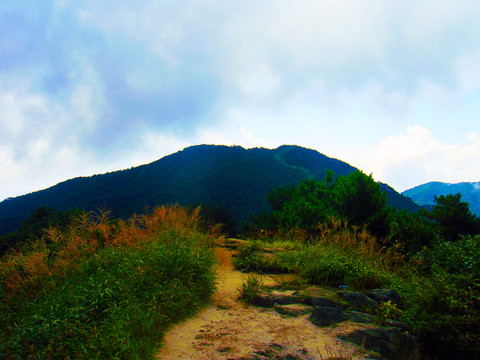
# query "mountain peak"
(233, 177)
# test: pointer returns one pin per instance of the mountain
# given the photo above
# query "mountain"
(236, 178)
(425, 194)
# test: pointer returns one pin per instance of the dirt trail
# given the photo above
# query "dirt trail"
(231, 329)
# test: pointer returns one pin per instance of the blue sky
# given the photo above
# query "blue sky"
(391, 87)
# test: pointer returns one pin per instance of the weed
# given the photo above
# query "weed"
(251, 286)
(387, 310)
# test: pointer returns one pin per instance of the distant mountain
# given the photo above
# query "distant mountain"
(425, 194)
(231, 176)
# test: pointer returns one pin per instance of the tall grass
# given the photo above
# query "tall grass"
(344, 255)
(338, 255)
(104, 288)
(439, 286)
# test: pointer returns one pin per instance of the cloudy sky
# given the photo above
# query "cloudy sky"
(89, 86)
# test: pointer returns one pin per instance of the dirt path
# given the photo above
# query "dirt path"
(231, 329)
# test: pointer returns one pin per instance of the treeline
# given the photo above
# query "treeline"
(358, 199)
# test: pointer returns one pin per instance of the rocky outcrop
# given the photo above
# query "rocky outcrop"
(384, 295)
(358, 300)
(324, 316)
(390, 340)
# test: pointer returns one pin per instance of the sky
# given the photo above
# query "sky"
(90, 86)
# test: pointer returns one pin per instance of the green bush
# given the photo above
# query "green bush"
(115, 304)
(330, 265)
(461, 256)
(252, 257)
(444, 311)
(443, 305)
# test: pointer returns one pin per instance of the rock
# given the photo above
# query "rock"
(268, 298)
(384, 295)
(323, 316)
(362, 318)
(358, 300)
(293, 310)
(319, 297)
(389, 342)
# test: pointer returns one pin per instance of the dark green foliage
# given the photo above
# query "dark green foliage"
(360, 200)
(453, 217)
(411, 232)
(298, 207)
(214, 215)
(459, 257)
(444, 305)
(32, 228)
(355, 197)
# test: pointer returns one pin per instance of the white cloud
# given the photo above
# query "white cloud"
(259, 82)
(415, 157)
(95, 87)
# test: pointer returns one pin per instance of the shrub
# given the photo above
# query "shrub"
(252, 257)
(330, 265)
(104, 289)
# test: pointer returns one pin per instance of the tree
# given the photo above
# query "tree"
(303, 206)
(453, 217)
(359, 199)
(214, 214)
(356, 198)
(411, 232)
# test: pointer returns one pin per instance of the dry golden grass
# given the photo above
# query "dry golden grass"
(61, 250)
(353, 238)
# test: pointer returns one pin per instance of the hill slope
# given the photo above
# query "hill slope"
(425, 194)
(238, 179)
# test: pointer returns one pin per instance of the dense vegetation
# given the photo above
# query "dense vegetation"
(232, 177)
(101, 288)
(341, 232)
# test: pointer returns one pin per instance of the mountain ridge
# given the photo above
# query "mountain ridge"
(424, 194)
(230, 176)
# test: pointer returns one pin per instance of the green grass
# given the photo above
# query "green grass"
(440, 287)
(330, 265)
(251, 286)
(114, 303)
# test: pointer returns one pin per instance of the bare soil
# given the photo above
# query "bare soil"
(230, 329)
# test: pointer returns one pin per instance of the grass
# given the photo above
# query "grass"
(339, 256)
(251, 286)
(440, 286)
(104, 289)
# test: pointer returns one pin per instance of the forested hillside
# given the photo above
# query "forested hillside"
(232, 177)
